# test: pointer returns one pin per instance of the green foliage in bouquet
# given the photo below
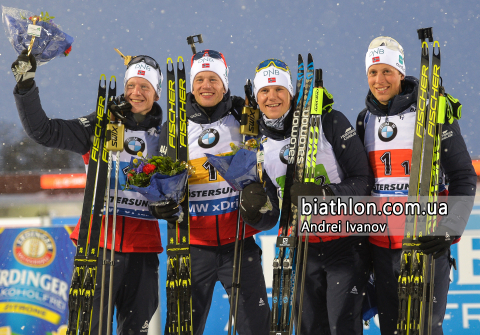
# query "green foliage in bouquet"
(43, 17)
(143, 169)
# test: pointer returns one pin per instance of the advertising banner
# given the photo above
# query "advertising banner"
(36, 266)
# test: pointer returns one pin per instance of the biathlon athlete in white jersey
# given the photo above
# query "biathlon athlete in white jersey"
(386, 127)
(337, 267)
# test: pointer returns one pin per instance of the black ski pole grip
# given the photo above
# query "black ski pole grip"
(249, 95)
(424, 33)
(318, 78)
(191, 41)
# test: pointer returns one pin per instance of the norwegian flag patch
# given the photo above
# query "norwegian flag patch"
(272, 80)
(205, 65)
(376, 59)
(141, 72)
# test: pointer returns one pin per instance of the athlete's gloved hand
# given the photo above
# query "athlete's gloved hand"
(438, 242)
(253, 199)
(165, 211)
(24, 70)
(119, 107)
(454, 108)
(309, 189)
(327, 101)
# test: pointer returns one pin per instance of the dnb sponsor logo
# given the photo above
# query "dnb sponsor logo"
(206, 59)
(271, 72)
(35, 248)
(374, 52)
(142, 66)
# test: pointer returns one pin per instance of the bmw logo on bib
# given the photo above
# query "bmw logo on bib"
(208, 138)
(134, 144)
(387, 131)
(284, 154)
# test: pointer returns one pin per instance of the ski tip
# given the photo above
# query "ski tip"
(300, 58)
(169, 61)
(437, 45)
(113, 80)
(103, 81)
(180, 64)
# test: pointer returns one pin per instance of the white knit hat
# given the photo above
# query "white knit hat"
(143, 70)
(385, 50)
(209, 60)
(272, 72)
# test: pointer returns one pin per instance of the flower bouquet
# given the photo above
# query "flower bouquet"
(158, 179)
(22, 27)
(239, 167)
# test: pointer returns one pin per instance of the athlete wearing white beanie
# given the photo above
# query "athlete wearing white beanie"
(147, 68)
(272, 72)
(385, 50)
(209, 60)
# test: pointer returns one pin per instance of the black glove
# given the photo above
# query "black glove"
(119, 107)
(253, 199)
(165, 211)
(438, 242)
(24, 70)
(309, 190)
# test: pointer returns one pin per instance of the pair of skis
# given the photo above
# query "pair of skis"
(300, 168)
(179, 277)
(417, 270)
(82, 290)
(179, 297)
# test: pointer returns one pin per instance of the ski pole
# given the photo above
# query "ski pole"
(105, 241)
(115, 135)
(238, 255)
(248, 126)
